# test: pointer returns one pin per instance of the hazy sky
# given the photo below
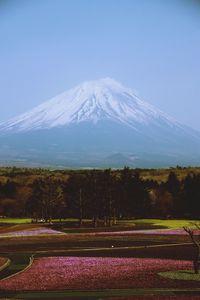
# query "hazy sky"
(153, 46)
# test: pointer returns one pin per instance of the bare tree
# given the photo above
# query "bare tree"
(196, 242)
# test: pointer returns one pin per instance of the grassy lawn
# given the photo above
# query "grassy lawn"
(181, 275)
(170, 224)
(15, 220)
(29, 221)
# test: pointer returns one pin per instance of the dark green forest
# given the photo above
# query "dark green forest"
(105, 195)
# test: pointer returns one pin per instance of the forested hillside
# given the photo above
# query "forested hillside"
(100, 194)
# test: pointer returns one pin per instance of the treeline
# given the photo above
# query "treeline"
(101, 195)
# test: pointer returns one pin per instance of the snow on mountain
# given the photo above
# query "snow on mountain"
(98, 123)
(104, 99)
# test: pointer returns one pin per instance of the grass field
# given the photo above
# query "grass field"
(181, 275)
(29, 220)
(129, 223)
(15, 220)
(171, 224)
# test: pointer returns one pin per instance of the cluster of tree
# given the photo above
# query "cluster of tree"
(101, 194)
(92, 194)
(181, 197)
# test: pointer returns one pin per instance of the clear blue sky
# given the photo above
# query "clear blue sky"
(153, 46)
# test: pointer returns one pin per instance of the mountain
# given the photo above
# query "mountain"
(98, 123)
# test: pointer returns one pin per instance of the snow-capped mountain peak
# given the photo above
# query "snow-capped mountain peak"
(98, 123)
(104, 99)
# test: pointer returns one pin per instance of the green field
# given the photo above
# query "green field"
(15, 220)
(159, 223)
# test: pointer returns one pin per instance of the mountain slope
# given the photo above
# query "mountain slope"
(91, 101)
(98, 123)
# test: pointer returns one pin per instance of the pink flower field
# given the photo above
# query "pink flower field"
(30, 232)
(38, 231)
(61, 273)
(179, 231)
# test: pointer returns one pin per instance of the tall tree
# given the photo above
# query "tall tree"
(173, 186)
(75, 196)
(45, 197)
(191, 195)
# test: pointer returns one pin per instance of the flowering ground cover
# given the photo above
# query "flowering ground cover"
(30, 232)
(44, 230)
(87, 273)
(146, 231)
(37, 230)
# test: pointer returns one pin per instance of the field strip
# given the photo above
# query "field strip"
(5, 265)
(74, 251)
(102, 293)
(111, 248)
